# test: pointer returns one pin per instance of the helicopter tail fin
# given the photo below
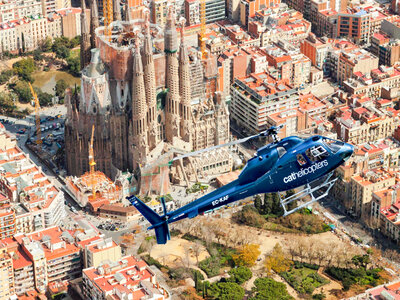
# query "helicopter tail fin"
(158, 223)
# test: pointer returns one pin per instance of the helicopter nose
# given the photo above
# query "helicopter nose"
(347, 151)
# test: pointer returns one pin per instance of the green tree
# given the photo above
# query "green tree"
(21, 88)
(75, 42)
(249, 216)
(240, 274)
(37, 55)
(5, 76)
(293, 204)
(276, 205)
(269, 289)
(45, 45)
(74, 65)
(23, 42)
(361, 260)
(6, 104)
(226, 291)
(62, 52)
(45, 99)
(60, 42)
(258, 202)
(61, 86)
(24, 68)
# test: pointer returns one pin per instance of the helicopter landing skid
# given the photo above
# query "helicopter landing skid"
(327, 184)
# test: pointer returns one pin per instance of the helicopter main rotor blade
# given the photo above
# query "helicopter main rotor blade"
(214, 148)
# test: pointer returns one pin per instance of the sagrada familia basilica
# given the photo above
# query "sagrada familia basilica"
(150, 98)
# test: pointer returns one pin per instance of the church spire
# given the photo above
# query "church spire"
(94, 22)
(117, 10)
(185, 90)
(150, 84)
(172, 126)
(139, 109)
(127, 16)
(85, 40)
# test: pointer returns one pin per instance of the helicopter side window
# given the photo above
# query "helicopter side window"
(281, 151)
(316, 153)
(301, 160)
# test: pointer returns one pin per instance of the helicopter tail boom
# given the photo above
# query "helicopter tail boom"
(158, 223)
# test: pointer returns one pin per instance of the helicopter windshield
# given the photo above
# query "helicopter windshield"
(333, 145)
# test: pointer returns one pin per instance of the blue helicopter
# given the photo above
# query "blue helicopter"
(282, 165)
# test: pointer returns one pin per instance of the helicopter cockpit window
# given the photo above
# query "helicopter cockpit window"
(333, 145)
(281, 151)
(316, 153)
(301, 160)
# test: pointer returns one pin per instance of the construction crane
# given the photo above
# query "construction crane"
(108, 17)
(202, 34)
(37, 115)
(92, 163)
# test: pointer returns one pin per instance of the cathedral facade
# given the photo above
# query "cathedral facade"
(137, 92)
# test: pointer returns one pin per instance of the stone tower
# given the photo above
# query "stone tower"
(91, 107)
(94, 22)
(185, 90)
(172, 126)
(139, 110)
(150, 81)
(117, 10)
(85, 40)
(127, 16)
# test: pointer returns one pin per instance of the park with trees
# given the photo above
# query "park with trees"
(60, 54)
(242, 257)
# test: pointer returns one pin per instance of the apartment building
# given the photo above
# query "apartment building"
(29, 31)
(36, 202)
(390, 222)
(278, 23)
(371, 84)
(49, 6)
(129, 278)
(361, 188)
(357, 60)
(18, 9)
(257, 96)
(316, 50)
(100, 251)
(381, 205)
(286, 63)
(385, 48)
(354, 25)
(159, 11)
(59, 256)
(192, 12)
(6, 274)
(248, 9)
(365, 124)
(215, 10)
